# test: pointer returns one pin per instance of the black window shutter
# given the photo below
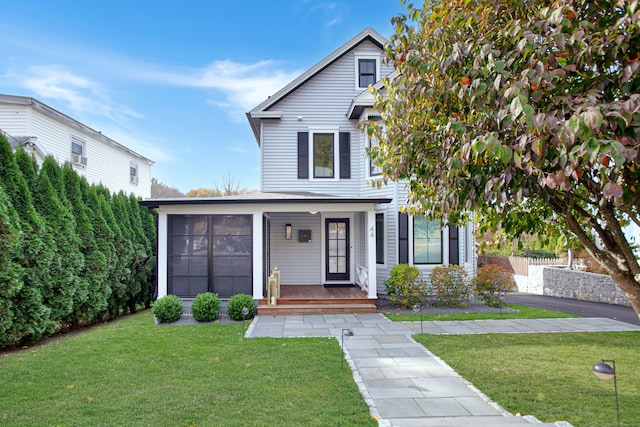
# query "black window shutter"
(454, 246)
(303, 155)
(345, 155)
(403, 238)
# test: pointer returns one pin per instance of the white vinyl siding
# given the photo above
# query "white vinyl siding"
(320, 103)
(299, 263)
(106, 163)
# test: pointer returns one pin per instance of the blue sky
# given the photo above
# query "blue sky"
(173, 80)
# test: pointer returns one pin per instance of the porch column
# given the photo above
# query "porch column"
(257, 256)
(371, 254)
(162, 254)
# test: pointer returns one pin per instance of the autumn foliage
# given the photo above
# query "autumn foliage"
(524, 113)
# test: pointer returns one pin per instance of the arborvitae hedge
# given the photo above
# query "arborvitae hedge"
(31, 318)
(71, 254)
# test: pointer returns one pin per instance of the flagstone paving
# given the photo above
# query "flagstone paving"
(404, 384)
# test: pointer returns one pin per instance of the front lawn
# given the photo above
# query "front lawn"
(523, 312)
(549, 375)
(131, 372)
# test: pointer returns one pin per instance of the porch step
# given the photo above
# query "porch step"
(317, 307)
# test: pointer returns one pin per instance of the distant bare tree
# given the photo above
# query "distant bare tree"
(228, 185)
(160, 190)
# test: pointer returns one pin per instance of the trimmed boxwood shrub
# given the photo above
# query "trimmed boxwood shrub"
(205, 307)
(167, 309)
(237, 303)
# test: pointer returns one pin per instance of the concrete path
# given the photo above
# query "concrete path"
(404, 384)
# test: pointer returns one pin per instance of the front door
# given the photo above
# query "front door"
(337, 248)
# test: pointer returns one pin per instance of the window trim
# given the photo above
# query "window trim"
(79, 159)
(370, 165)
(134, 178)
(336, 154)
(357, 58)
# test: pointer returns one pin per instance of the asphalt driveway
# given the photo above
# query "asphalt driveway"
(579, 308)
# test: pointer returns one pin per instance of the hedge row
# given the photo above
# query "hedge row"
(71, 254)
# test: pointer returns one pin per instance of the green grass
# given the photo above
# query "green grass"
(523, 312)
(549, 375)
(131, 372)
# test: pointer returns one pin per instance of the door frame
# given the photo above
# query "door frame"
(349, 217)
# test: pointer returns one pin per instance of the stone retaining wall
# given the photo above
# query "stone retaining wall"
(563, 283)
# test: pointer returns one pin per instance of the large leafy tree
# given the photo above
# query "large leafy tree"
(525, 112)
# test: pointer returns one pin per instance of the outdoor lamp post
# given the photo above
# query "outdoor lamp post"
(604, 371)
(345, 333)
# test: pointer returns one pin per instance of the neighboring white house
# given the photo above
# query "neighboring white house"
(317, 218)
(44, 131)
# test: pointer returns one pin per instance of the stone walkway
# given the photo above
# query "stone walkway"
(404, 384)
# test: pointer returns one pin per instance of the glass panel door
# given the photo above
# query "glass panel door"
(337, 248)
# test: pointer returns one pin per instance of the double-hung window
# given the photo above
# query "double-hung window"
(374, 170)
(324, 154)
(78, 156)
(367, 70)
(133, 174)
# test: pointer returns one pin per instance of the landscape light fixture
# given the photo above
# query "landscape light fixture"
(604, 371)
(245, 311)
(345, 333)
(418, 308)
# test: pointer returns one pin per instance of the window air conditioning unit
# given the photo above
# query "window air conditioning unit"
(133, 179)
(79, 160)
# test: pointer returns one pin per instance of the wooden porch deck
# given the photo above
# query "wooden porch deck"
(316, 299)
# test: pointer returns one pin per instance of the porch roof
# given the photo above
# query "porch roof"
(262, 198)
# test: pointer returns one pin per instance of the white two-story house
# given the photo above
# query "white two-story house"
(44, 131)
(317, 219)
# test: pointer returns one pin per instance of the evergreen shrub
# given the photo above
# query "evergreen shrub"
(237, 302)
(167, 309)
(405, 287)
(449, 285)
(205, 307)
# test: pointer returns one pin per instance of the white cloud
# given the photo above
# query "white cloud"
(82, 94)
(244, 85)
(91, 104)
(331, 12)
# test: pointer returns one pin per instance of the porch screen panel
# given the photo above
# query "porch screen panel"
(232, 245)
(187, 270)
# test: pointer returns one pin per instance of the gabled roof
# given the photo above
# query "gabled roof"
(68, 121)
(29, 142)
(366, 99)
(262, 111)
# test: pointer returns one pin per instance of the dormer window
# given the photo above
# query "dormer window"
(78, 152)
(367, 71)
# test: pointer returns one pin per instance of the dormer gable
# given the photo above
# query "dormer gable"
(366, 68)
